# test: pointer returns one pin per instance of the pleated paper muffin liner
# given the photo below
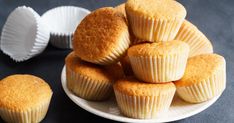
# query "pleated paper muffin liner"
(32, 115)
(197, 41)
(159, 69)
(117, 52)
(24, 44)
(62, 22)
(153, 30)
(204, 90)
(88, 88)
(144, 107)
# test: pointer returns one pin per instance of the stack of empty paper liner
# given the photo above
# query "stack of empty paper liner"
(26, 34)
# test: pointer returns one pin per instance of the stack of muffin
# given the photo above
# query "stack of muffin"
(167, 54)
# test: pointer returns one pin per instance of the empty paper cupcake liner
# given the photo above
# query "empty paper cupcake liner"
(62, 22)
(87, 88)
(204, 90)
(24, 34)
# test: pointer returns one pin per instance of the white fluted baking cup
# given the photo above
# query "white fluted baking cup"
(62, 22)
(24, 34)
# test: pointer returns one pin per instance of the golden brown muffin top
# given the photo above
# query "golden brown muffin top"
(159, 49)
(23, 92)
(121, 8)
(94, 71)
(162, 9)
(201, 67)
(99, 33)
(188, 26)
(132, 86)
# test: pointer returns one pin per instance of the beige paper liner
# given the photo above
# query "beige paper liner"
(144, 107)
(204, 90)
(197, 41)
(33, 115)
(87, 88)
(117, 52)
(154, 30)
(158, 69)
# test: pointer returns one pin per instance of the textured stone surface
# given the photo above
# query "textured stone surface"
(213, 17)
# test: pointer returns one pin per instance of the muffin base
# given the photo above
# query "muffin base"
(88, 88)
(157, 69)
(153, 29)
(197, 41)
(144, 107)
(33, 115)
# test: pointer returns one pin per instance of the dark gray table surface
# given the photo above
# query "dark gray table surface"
(213, 17)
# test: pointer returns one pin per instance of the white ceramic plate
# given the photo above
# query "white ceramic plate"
(109, 109)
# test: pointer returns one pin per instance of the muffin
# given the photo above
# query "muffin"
(126, 65)
(159, 62)
(91, 81)
(155, 20)
(141, 100)
(198, 42)
(105, 41)
(24, 99)
(204, 78)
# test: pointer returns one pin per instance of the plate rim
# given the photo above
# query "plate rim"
(126, 119)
